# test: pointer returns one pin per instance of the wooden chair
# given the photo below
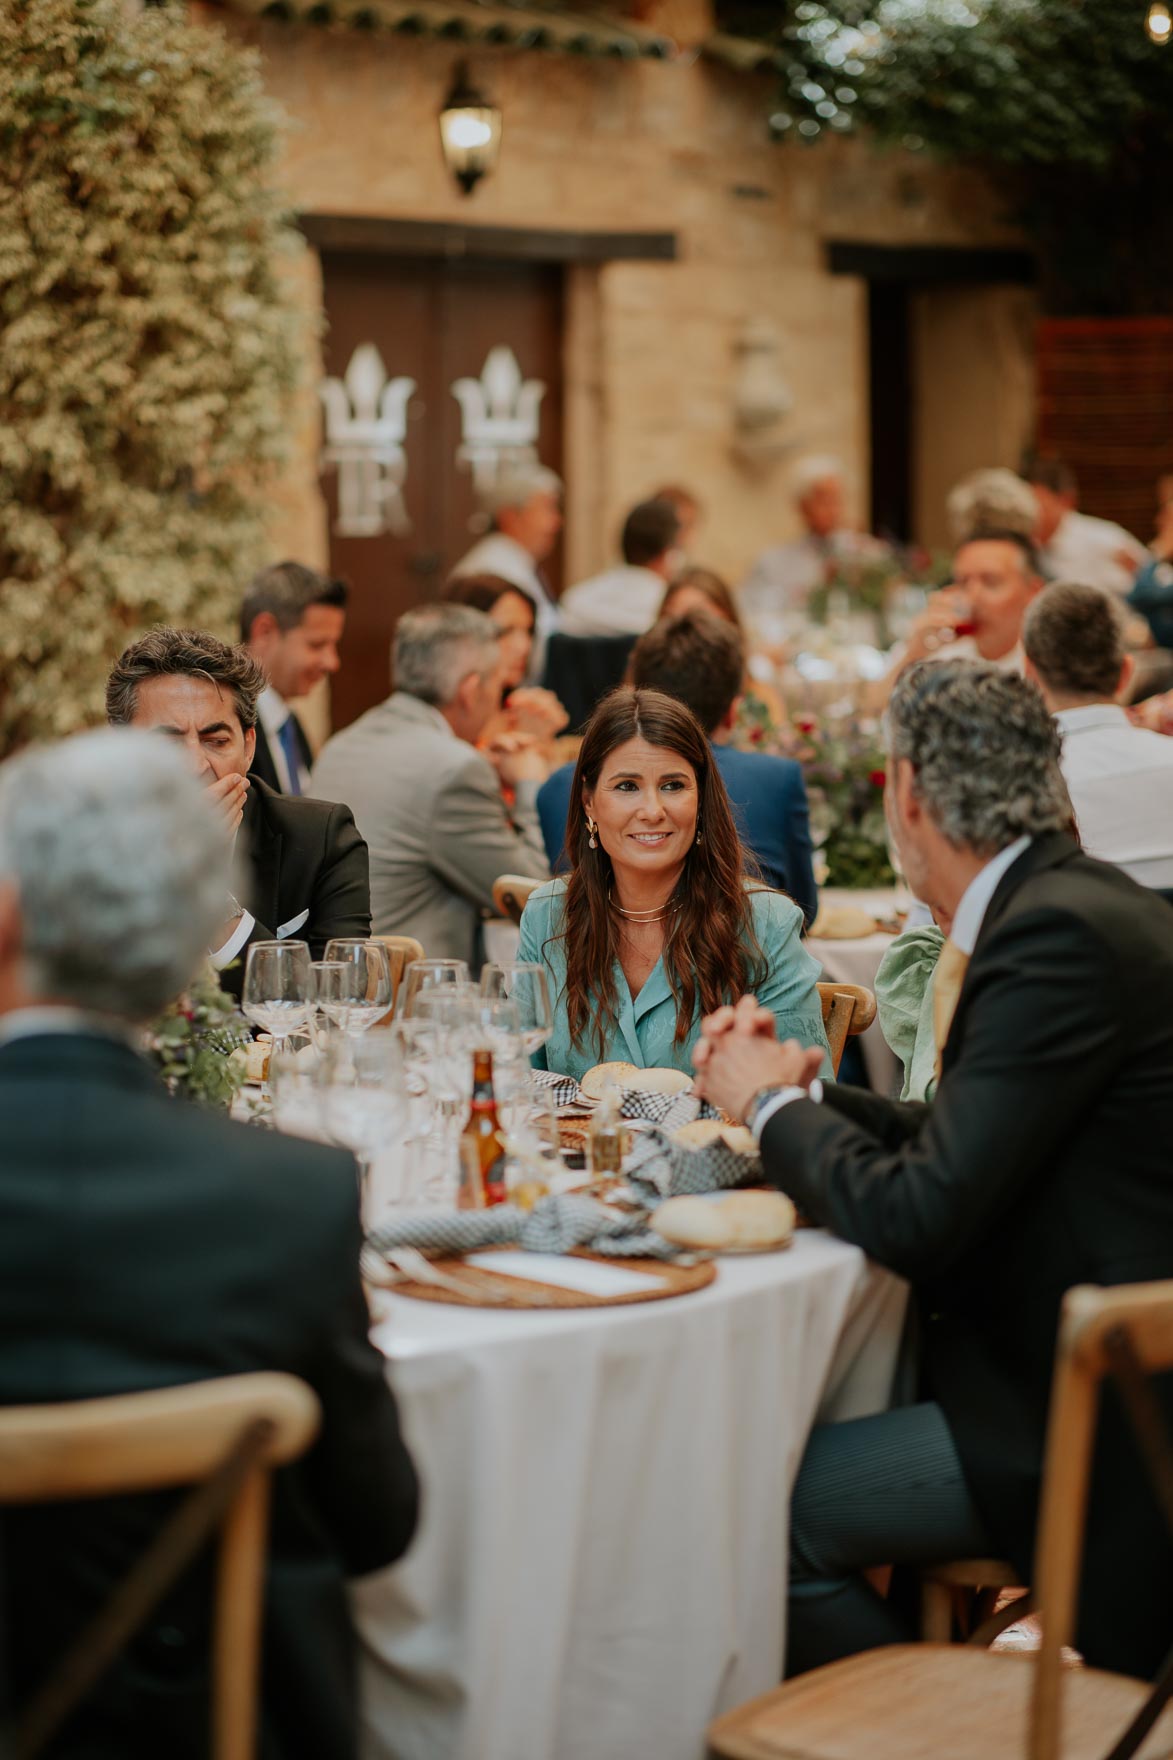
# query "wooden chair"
(510, 893)
(963, 1594)
(925, 1701)
(401, 950)
(221, 1437)
(848, 1009)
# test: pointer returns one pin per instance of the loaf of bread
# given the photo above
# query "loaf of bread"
(702, 1133)
(744, 1221)
(629, 1075)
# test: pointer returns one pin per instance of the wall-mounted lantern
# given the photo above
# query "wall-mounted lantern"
(470, 132)
(1159, 23)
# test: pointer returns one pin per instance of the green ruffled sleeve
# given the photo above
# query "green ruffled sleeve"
(904, 1000)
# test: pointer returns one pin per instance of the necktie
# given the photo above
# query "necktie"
(947, 981)
(287, 734)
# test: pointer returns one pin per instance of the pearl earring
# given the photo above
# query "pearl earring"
(592, 840)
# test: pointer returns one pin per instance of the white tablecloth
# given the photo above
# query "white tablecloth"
(601, 1564)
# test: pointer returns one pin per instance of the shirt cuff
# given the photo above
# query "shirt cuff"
(783, 1098)
(223, 956)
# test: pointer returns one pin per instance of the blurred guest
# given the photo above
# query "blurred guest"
(699, 660)
(524, 709)
(304, 862)
(991, 500)
(148, 1243)
(783, 578)
(1074, 546)
(524, 504)
(625, 600)
(1119, 777)
(904, 1005)
(978, 616)
(656, 923)
(1152, 591)
(701, 589)
(1041, 1163)
(427, 801)
(688, 512)
(291, 621)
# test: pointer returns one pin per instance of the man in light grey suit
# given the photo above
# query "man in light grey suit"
(428, 803)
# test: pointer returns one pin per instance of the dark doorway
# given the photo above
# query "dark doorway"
(433, 320)
(892, 399)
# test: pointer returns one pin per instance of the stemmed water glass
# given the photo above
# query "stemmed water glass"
(371, 981)
(278, 991)
(526, 984)
(424, 975)
(335, 987)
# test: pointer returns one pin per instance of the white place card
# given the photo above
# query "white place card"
(587, 1276)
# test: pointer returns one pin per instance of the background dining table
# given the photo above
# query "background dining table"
(601, 1563)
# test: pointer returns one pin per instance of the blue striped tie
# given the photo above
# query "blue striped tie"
(287, 734)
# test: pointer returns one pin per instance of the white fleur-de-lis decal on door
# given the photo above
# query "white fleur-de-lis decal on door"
(499, 414)
(366, 425)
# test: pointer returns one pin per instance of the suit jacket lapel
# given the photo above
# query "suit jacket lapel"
(262, 844)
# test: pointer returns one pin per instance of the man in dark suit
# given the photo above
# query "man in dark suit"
(1042, 1162)
(305, 865)
(291, 622)
(698, 659)
(146, 1242)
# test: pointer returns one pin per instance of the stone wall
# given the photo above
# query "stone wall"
(676, 147)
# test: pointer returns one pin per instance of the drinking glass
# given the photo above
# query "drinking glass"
(423, 975)
(295, 1086)
(364, 1098)
(278, 992)
(371, 980)
(335, 991)
(526, 984)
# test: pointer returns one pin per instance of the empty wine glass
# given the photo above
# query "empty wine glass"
(371, 980)
(423, 975)
(278, 991)
(364, 1099)
(335, 987)
(526, 984)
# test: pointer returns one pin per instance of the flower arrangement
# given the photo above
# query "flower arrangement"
(871, 581)
(194, 1044)
(844, 764)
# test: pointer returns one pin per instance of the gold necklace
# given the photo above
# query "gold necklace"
(654, 916)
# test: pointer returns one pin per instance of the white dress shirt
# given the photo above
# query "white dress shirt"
(1120, 779)
(273, 712)
(498, 554)
(1085, 550)
(967, 923)
(621, 601)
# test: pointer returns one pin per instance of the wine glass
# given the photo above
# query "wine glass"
(335, 991)
(423, 975)
(371, 981)
(525, 983)
(278, 991)
(364, 1099)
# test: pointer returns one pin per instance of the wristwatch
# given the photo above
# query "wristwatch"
(758, 1099)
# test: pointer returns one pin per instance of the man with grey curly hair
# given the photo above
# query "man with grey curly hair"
(148, 1242)
(1042, 1162)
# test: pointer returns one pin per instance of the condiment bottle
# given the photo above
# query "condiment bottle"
(482, 1146)
(606, 1135)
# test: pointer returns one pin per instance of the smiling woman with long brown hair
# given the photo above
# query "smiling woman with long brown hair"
(657, 923)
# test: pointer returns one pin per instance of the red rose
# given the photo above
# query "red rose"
(805, 723)
(877, 777)
(755, 734)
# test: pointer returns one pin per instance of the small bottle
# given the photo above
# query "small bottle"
(606, 1135)
(482, 1146)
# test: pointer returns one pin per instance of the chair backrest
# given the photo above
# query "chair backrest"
(1097, 1328)
(401, 950)
(222, 1437)
(581, 669)
(510, 893)
(848, 1009)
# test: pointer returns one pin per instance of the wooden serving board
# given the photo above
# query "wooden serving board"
(491, 1289)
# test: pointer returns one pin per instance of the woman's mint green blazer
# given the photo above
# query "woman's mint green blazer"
(645, 1028)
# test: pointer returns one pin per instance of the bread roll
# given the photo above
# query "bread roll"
(692, 1222)
(628, 1075)
(741, 1221)
(702, 1133)
(758, 1219)
(596, 1079)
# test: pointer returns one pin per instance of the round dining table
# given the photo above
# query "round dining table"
(601, 1561)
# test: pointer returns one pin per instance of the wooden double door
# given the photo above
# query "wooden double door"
(433, 321)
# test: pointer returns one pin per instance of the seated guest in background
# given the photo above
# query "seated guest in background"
(689, 514)
(700, 589)
(524, 708)
(978, 616)
(1119, 777)
(1072, 545)
(291, 622)
(524, 504)
(147, 1243)
(1042, 1162)
(426, 799)
(625, 600)
(657, 922)
(699, 660)
(304, 864)
(783, 578)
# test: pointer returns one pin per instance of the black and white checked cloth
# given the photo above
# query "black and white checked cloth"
(554, 1225)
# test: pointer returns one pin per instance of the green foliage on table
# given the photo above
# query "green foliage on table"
(198, 1045)
(149, 340)
(843, 763)
(1067, 102)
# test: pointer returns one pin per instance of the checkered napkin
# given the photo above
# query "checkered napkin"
(658, 1168)
(668, 1110)
(554, 1225)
